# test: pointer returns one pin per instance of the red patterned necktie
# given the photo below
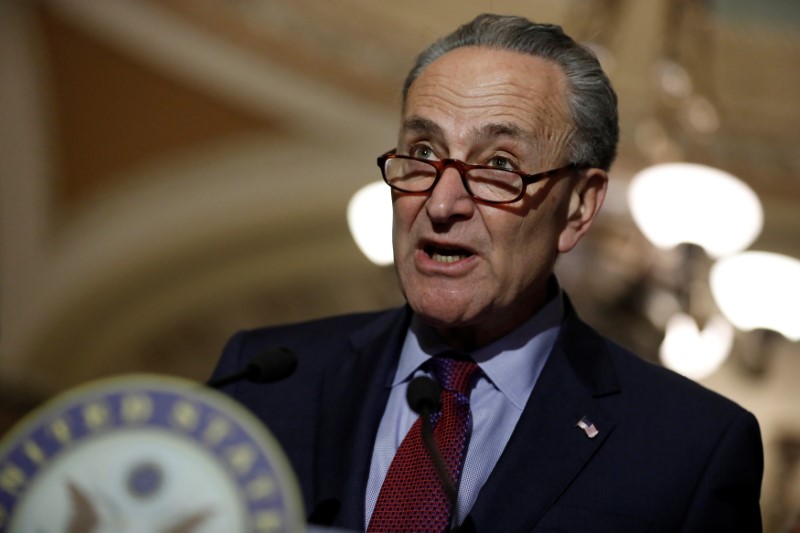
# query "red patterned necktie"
(412, 497)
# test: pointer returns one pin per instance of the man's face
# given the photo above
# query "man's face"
(472, 270)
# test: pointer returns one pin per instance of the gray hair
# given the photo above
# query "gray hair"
(591, 100)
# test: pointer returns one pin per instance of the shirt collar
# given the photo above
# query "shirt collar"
(512, 363)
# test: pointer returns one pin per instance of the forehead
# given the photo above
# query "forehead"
(470, 86)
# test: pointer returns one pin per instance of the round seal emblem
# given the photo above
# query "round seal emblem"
(145, 453)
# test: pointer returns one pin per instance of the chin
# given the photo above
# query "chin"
(446, 312)
(445, 303)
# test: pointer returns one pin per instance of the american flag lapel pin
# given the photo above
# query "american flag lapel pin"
(588, 427)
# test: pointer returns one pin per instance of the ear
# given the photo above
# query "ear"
(585, 201)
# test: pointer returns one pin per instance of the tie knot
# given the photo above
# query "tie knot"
(457, 375)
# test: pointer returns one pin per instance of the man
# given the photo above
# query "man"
(508, 131)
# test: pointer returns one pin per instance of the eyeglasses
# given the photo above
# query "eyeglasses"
(488, 184)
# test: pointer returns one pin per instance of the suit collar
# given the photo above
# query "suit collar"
(587, 354)
(547, 449)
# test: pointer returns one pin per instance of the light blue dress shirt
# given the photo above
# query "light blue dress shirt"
(510, 365)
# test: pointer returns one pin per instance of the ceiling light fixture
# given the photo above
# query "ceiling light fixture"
(759, 290)
(369, 217)
(674, 203)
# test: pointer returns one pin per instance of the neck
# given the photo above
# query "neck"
(468, 338)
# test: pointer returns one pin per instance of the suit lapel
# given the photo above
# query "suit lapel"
(547, 450)
(353, 396)
(544, 455)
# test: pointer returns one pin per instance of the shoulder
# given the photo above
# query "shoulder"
(660, 387)
(669, 415)
(338, 325)
(654, 406)
(328, 332)
(697, 435)
(316, 342)
(616, 374)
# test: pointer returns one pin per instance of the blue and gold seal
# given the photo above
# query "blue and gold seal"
(145, 453)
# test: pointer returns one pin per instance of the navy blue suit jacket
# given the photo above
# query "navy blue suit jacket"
(669, 455)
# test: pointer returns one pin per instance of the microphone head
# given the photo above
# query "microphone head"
(271, 365)
(423, 395)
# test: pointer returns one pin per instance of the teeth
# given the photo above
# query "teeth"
(441, 258)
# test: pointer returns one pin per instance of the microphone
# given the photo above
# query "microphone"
(423, 396)
(273, 364)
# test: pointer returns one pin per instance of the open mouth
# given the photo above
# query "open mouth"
(446, 255)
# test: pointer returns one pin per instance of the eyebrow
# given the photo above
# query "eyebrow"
(502, 129)
(488, 130)
(419, 124)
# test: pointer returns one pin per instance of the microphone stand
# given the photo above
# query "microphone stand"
(423, 398)
(438, 462)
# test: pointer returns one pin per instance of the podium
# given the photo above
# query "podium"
(145, 453)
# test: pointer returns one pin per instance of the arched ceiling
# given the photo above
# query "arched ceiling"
(171, 136)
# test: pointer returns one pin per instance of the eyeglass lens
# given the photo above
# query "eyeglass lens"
(413, 175)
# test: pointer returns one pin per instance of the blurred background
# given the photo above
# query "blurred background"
(172, 171)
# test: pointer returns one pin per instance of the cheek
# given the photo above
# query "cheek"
(530, 243)
(399, 213)
(404, 213)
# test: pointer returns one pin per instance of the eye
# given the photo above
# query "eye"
(499, 161)
(422, 151)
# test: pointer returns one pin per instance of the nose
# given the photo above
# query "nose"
(449, 199)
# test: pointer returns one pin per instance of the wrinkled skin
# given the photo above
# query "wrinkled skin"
(476, 271)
